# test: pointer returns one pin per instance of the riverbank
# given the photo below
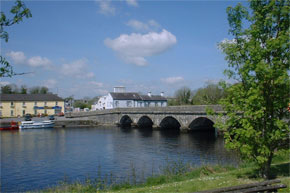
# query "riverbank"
(174, 179)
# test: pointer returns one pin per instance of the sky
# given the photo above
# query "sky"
(85, 48)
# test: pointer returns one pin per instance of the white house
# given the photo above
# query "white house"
(121, 99)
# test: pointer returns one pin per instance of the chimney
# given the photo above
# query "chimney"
(149, 94)
(119, 89)
(162, 94)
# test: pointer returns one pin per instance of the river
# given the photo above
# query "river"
(41, 158)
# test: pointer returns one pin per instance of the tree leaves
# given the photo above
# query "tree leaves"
(19, 11)
(258, 57)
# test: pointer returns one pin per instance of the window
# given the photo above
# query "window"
(35, 103)
(23, 112)
(35, 111)
(45, 111)
(116, 103)
(156, 104)
(12, 103)
(12, 113)
(129, 103)
(45, 103)
(56, 103)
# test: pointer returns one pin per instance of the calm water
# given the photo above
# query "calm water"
(37, 159)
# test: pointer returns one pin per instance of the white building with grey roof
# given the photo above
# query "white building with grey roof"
(121, 99)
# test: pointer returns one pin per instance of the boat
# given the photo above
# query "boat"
(9, 125)
(36, 125)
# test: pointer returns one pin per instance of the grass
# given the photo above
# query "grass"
(182, 177)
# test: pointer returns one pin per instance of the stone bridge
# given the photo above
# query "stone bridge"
(184, 118)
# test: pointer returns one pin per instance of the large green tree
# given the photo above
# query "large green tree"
(258, 59)
(209, 95)
(183, 96)
(18, 12)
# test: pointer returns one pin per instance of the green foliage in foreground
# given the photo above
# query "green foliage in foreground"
(19, 11)
(258, 59)
(183, 178)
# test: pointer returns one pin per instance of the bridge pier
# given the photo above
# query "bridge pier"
(156, 127)
(184, 129)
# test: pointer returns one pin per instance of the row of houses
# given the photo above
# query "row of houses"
(16, 105)
(122, 99)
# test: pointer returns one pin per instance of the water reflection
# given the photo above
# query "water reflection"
(35, 159)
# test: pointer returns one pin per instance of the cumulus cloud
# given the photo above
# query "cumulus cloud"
(172, 80)
(135, 47)
(35, 61)
(132, 3)
(77, 69)
(38, 61)
(106, 7)
(17, 57)
(151, 25)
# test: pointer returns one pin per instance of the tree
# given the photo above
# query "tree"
(43, 90)
(39, 90)
(23, 89)
(19, 11)
(80, 104)
(182, 96)
(7, 89)
(211, 94)
(258, 58)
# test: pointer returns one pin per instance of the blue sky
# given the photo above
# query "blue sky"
(85, 48)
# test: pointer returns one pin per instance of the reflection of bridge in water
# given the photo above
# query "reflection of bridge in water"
(185, 118)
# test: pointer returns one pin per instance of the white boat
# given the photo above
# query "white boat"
(36, 125)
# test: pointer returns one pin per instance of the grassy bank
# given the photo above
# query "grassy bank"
(183, 178)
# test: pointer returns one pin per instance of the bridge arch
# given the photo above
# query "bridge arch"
(145, 122)
(202, 124)
(125, 121)
(170, 123)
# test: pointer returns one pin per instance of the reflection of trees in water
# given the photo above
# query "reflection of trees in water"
(170, 123)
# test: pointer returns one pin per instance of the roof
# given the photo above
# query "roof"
(153, 98)
(136, 96)
(125, 96)
(30, 97)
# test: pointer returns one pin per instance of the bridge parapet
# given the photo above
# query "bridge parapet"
(192, 109)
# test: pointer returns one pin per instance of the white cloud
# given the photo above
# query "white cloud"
(35, 61)
(90, 75)
(17, 57)
(4, 83)
(132, 3)
(78, 69)
(97, 84)
(50, 83)
(172, 80)
(38, 61)
(151, 25)
(106, 7)
(135, 47)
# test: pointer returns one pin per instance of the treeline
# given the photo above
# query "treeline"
(211, 94)
(14, 89)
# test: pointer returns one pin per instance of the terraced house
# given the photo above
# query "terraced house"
(14, 105)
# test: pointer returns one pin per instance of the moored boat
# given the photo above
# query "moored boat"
(36, 125)
(9, 125)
